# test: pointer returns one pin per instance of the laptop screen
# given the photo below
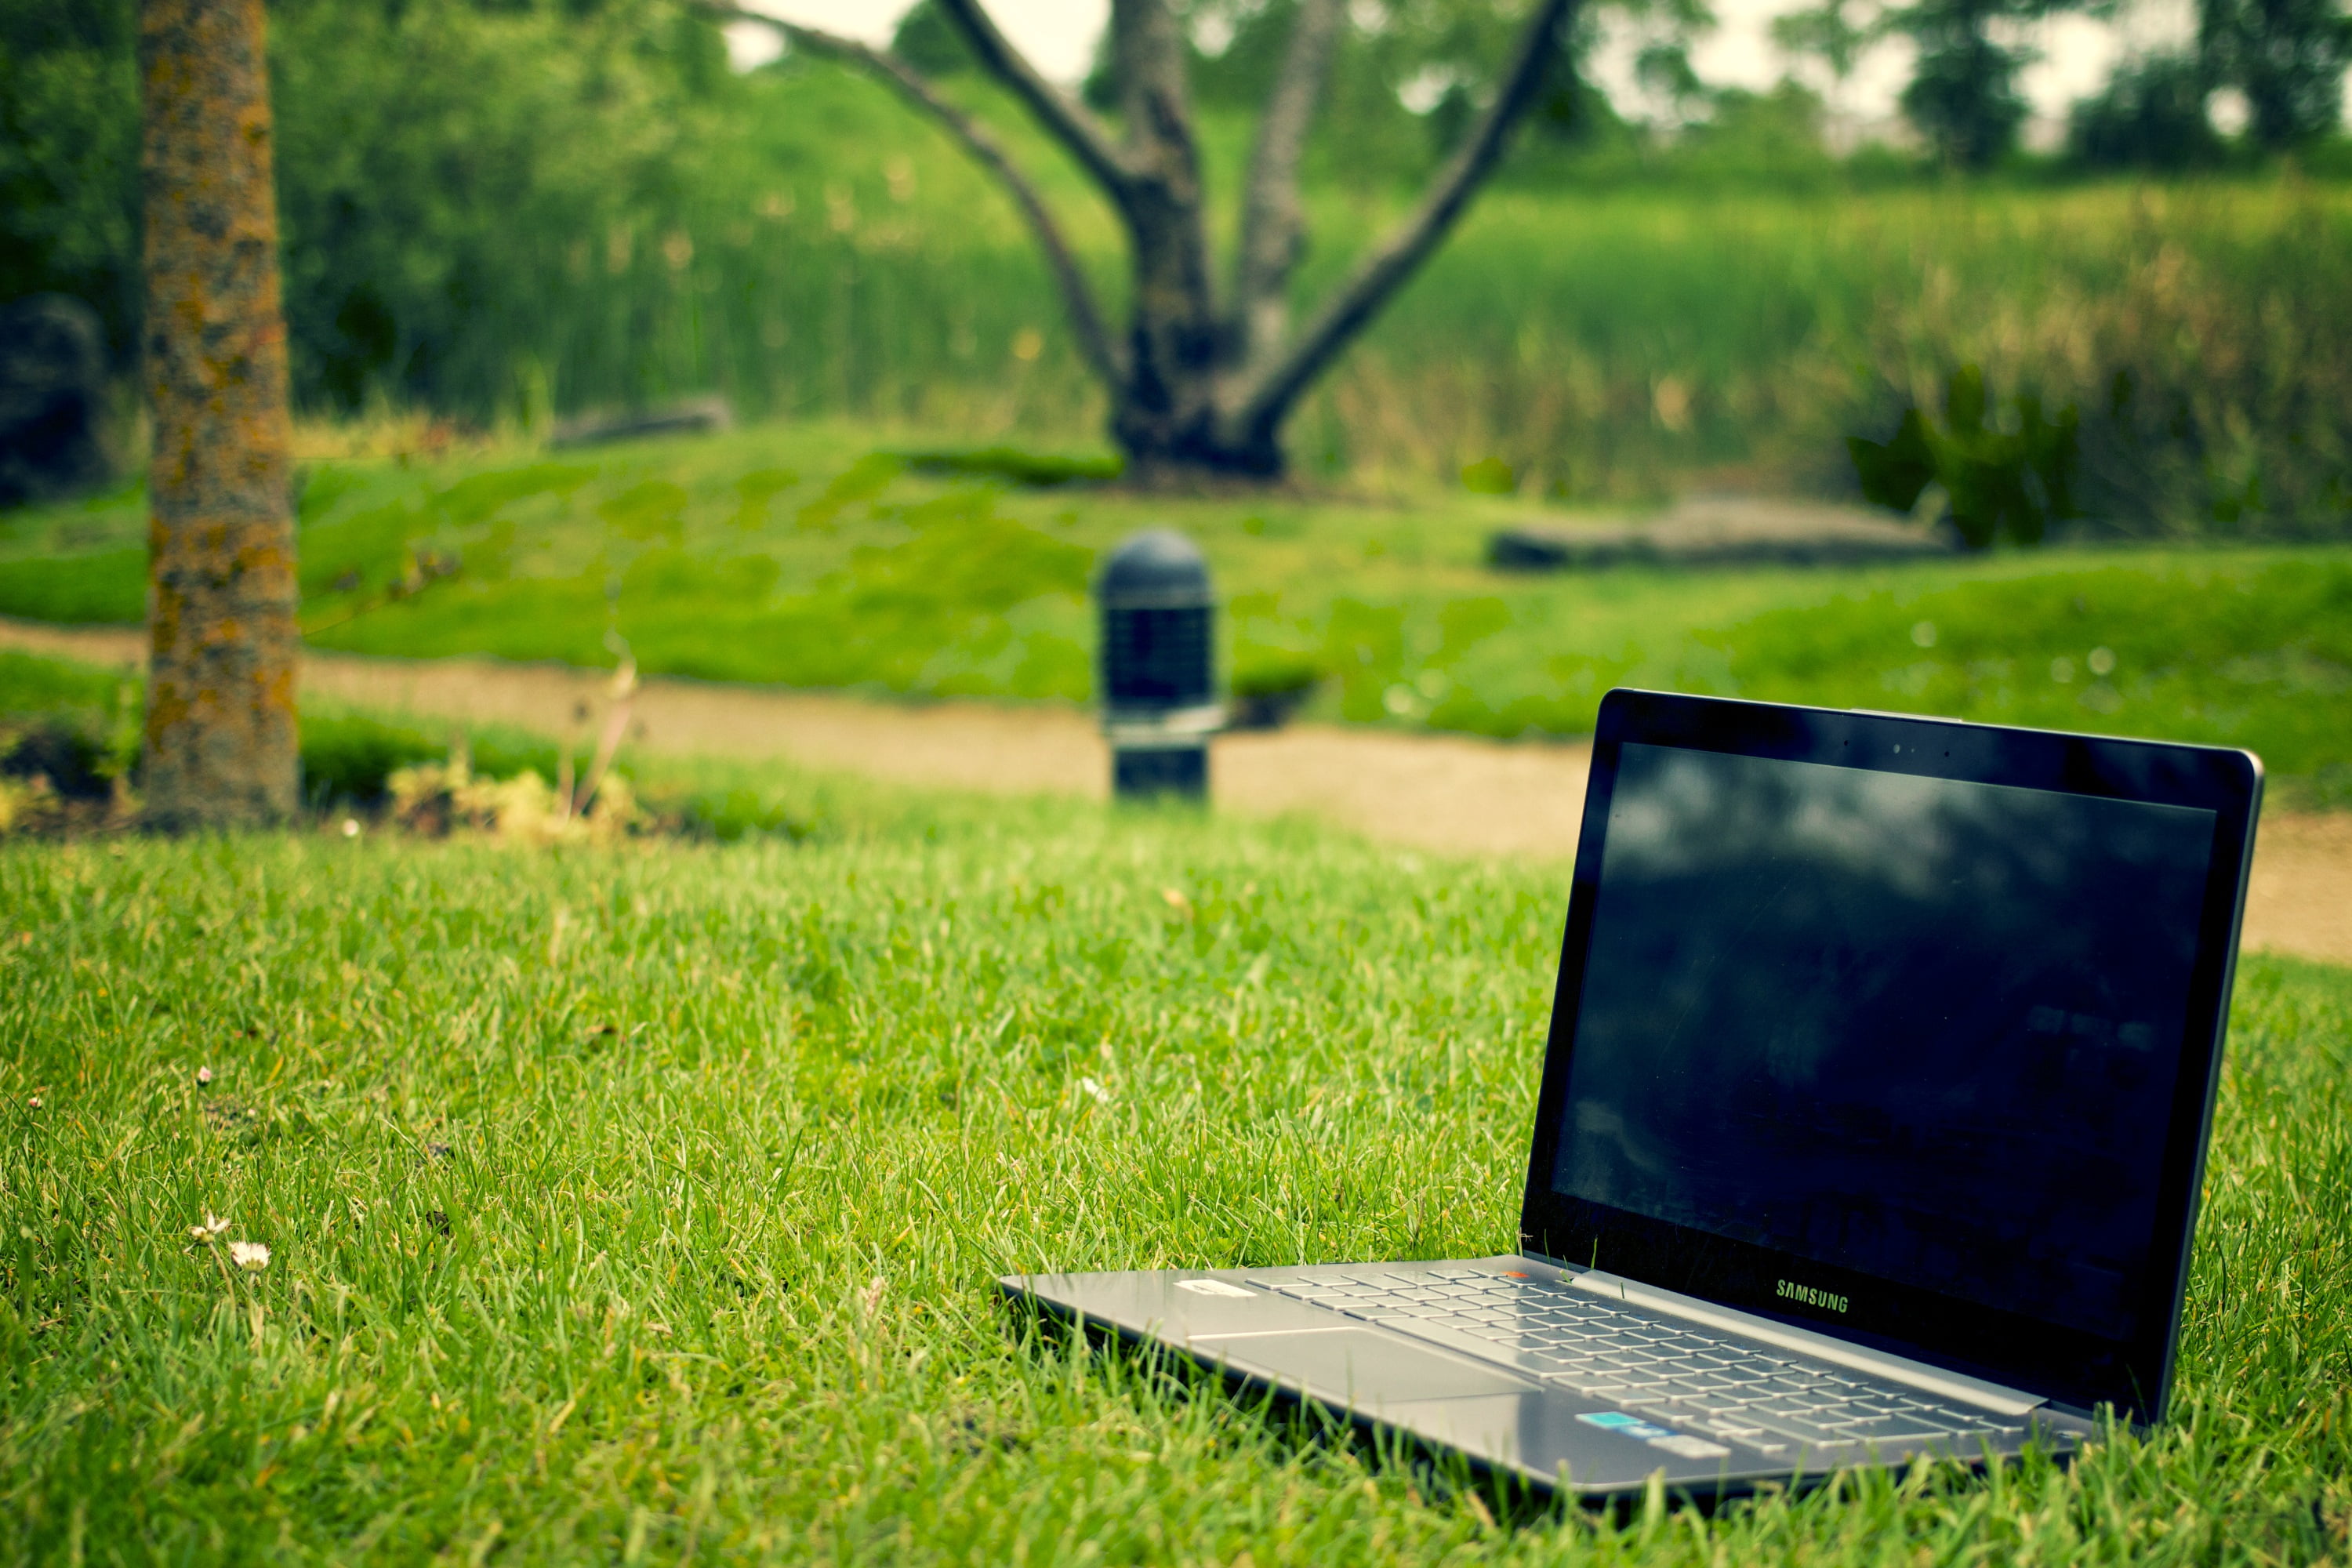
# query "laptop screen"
(1919, 1030)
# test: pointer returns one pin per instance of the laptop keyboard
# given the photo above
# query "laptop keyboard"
(1654, 1367)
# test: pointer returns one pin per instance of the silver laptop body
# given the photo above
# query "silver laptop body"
(1873, 1120)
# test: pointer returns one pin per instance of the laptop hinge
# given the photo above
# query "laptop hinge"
(1917, 1375)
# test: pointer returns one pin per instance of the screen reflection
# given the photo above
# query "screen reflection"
(1925, 1029)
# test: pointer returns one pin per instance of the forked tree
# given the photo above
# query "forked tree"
(1210, 363)
(220, 745)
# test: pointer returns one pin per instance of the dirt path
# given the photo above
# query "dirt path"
(1447, 794)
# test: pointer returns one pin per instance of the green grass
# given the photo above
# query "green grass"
(29, 684)
(780, 554)
(348, 754)
(644, 1204)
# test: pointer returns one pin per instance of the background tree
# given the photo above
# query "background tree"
(928, 41)
(1829, 32)
(2151, 115)
(69, 157)
(1963, 95)
(1207, 369)
(438, 161)
(1832, 32)
(220, 740)
(2288, 57)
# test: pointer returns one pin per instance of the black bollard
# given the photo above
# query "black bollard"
(1158, 667)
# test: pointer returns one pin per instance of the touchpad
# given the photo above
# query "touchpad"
(1358, 1366)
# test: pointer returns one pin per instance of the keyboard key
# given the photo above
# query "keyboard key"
(1792, 1427)
(1893, 1431)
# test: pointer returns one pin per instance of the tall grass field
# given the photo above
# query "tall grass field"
(645, 1205)
(1603, 338)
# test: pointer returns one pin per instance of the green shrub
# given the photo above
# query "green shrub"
(346, 757)
(2004, 478)
(1042, 472)
(725, 815)
(1489, 477)
(68, 722)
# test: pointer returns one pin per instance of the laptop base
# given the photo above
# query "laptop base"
(1508, 1403)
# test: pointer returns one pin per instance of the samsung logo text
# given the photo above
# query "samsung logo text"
(1813, 1297)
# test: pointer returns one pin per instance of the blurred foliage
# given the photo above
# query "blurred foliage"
(2288, 57)
(436, 159)
(70, 156)
(1041, 470)
(440, 158)
(1489, 477)
(1965, 90)
(496, 211)
(2151, 115)
(348, 757)
(73, 725)
(1829, 32)
(2007, 473)
(928, 41)
(1963, 95)
(1387, 50)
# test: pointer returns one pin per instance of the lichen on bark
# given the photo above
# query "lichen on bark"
(220, 744)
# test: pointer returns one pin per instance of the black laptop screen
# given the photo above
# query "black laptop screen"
(1919, 1030)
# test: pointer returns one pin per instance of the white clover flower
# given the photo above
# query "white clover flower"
(250, 1256)
(203, 1075)
(213, 1225)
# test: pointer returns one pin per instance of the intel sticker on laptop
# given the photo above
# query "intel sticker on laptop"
(1657, 1437)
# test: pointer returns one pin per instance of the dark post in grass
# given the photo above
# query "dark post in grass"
(1159, 666)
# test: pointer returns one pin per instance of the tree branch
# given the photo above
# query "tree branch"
(1176, 302)
(1077, 296)
(1266, 397)
(1272, 234)
(1064, 119)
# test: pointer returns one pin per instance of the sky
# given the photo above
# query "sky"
(1058, 36)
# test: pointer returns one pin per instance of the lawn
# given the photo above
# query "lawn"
(806, 555)
(642, 1204)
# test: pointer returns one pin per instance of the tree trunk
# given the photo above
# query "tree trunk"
(1165, 406)
(1199, 391)
(1206, 393)
(220, 746)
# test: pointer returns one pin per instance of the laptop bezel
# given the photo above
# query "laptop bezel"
(2073, 1368)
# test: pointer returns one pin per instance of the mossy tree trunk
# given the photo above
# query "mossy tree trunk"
(220, 746)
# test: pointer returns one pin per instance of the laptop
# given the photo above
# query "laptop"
(1872, 1121)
